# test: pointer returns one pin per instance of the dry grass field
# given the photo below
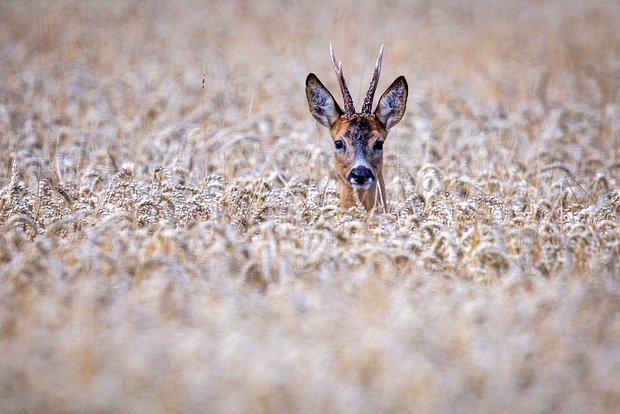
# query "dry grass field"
(170, 237)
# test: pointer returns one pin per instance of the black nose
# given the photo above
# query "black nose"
(360, 175)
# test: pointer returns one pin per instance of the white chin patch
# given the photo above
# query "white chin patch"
(362, 186)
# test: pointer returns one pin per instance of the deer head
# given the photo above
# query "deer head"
(358, 136)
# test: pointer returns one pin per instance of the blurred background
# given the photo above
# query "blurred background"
(121, 70)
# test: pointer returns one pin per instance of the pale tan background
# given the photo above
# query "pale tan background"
(166, 247)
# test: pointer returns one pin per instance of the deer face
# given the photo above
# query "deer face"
(358, 138)
(358, 150)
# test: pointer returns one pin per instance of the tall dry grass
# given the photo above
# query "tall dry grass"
(169, 247)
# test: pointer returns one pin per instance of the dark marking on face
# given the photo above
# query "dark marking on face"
(359, 131)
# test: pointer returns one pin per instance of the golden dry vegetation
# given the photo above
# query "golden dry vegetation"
(169, 247)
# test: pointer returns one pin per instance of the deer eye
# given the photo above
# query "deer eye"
(339, 144)
(378, 146)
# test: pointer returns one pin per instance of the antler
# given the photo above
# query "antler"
(370, 95)
(349, 108)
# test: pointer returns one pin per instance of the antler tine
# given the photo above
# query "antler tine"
(349, 108)
(337, 66)
(370, 95)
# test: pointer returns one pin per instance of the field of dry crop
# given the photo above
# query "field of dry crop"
(170, 237)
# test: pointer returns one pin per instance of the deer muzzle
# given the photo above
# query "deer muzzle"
(361, 177)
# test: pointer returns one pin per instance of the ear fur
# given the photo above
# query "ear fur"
(393, 102)
(322, 104)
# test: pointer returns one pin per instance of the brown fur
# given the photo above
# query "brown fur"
(349, 130)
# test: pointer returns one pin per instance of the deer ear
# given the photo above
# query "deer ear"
(322, 104)
(393, 102)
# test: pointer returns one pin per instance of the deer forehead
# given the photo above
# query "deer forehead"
(358, 129)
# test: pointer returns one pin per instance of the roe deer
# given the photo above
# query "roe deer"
(358, 136)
